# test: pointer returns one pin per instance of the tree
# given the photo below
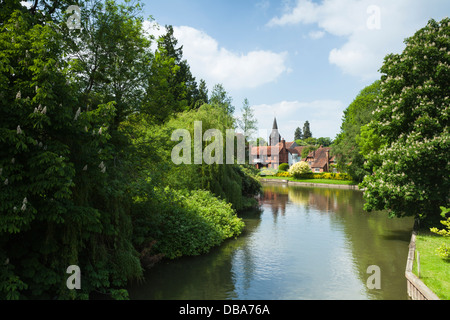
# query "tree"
(203, 93)
(221, 98)
(412, 165)
(85, 171)
(349, 144)
(306, 131)
(306, 151)
(61, 203)
(260, 142)
(324, 141)
(298, 134)
(102, 53)
(310, 141)
(247, 122)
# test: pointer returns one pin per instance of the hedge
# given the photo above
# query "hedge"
(322, 175)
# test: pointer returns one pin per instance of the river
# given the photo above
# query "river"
(303, 243)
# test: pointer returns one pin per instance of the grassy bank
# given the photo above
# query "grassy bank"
(324, 181)
(434, 271)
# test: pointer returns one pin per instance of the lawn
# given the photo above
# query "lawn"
(434, 271)
(324, 181)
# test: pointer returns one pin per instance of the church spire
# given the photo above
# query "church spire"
(275, 125)
(274, 137)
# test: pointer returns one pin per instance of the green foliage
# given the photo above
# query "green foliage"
(267, 172)
(300, 142)
(333, 176)
(189, 222)
(58, 181)
(85, 153)
(311, 141)
(220, 98)
(299, 168)
(284, 174)
(316, 176)
(298, 135)
(411, 166)
(307, 131)
(443, 250)
(306, 151)
(355, 141)
(324, 141)
(322, 175)
(283, 167)
(247, 122)
(225, 181)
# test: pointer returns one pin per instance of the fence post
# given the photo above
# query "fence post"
(418, 264)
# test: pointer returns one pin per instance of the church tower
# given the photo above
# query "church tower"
(275, 137)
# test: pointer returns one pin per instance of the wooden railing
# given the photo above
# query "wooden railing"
(417, 290)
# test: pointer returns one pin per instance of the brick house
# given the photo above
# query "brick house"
(320, 160)
(273, 156)
(279, 151)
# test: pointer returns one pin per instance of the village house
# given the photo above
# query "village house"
(320, 160)
(279, 151)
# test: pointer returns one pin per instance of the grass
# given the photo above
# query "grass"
(324, 181)
(434, 270)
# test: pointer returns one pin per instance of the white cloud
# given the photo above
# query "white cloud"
(216, 64)
(370, 34)
(234, 70)
(323, 115)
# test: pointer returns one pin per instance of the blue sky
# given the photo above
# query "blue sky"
(297, 60)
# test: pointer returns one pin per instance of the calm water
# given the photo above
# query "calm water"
(304, 243)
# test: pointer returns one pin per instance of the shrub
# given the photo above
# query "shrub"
(343, 176)
(268, 172)
(299, 169)
(283, 174)
(192, 224)
(444, 250)
(283, 167)
(324, 175)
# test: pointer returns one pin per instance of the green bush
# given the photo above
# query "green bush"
(444, 250)
(283, 167)
(267, 172)
(299, 169)
(283, 174)
(324, 175)
(195, 222)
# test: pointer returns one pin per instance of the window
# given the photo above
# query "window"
(317, 170)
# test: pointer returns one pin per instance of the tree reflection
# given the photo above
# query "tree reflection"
(266, 262)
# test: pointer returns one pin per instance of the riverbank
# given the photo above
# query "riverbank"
(327, 183)
(434, 271)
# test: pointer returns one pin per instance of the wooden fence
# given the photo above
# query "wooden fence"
(417, 290)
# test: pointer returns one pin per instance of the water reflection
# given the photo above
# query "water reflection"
(304, 243)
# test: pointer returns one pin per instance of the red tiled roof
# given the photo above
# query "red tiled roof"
(279, 146)
(289, 144)
(320, 157)
(266, 150)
